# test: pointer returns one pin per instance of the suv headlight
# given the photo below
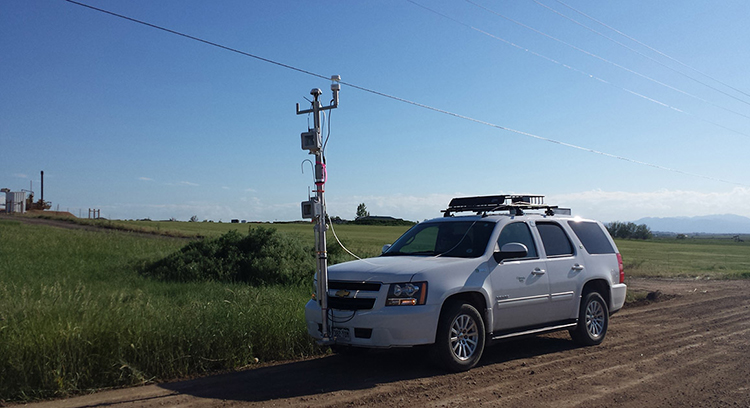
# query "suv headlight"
(407, 294)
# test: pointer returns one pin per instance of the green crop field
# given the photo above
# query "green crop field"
(78, 313)
(689, 258)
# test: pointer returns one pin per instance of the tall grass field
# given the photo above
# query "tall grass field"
(76, 314)
(78, 310)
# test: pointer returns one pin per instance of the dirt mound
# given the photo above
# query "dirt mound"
(37, 213)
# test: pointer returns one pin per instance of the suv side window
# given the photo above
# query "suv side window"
(554, 239)
(592, 237)
(518, 232)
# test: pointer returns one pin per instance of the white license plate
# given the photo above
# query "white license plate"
(340, 333)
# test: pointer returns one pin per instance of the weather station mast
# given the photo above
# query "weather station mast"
(315, 207)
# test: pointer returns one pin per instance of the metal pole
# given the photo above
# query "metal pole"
(321, 250)
(319, 212)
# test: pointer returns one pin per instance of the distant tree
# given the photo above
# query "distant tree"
(362, 211)
(194, 218)
(642, 231)
(628, 230)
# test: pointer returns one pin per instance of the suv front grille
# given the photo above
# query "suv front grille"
(353, 295)
(350, 304)
(366, 286)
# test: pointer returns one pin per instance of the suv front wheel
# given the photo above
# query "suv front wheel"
(593, 319)
(460, 337)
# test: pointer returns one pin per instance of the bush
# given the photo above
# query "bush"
(262, 257)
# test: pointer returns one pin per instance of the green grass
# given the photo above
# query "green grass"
(77, 315)
(692, 258)
(363, 241)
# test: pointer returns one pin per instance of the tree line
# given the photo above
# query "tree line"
(628, 230)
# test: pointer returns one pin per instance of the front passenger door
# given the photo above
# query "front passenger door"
(520, 286)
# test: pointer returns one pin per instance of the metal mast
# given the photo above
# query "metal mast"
(315, 207)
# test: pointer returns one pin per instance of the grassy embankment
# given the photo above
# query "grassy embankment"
(76, 314)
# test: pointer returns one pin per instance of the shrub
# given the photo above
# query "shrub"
(262, 257)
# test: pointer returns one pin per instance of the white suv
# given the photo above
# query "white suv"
(460, 282)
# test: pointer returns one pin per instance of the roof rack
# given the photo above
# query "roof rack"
(515, 204)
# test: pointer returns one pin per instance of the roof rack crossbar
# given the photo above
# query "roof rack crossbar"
(515, 203)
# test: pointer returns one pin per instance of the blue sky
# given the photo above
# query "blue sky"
(140, 123)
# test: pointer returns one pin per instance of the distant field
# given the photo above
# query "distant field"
(75, 314)
(688, 258)
(362, 240)
(692, 257)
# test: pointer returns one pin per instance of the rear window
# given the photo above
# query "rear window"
(592, 237)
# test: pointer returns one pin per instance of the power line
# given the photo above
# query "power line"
(621, 66)
(531, 135)
(647, 46)
(247, 54)
(588, 75)
(396, 98)
(649, 58)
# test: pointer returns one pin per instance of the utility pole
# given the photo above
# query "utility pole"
(315, 207)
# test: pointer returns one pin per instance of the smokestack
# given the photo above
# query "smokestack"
(42, 198)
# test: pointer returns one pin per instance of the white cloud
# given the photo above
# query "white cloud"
(597, 204)
(415, 208)
(628, 206)
(601, 205)
(188, 183)
(20, 175)
(145, 179)
(207, 211)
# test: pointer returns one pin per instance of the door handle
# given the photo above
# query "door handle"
(577, 267)
(537, 271)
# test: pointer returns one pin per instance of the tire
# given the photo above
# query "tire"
(593, 319)
(459, 342)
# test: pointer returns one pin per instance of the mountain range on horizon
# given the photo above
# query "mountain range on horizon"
(707, 224)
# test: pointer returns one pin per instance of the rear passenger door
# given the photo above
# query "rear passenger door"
(564, 270)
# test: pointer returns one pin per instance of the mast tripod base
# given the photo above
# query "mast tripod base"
(326, 342)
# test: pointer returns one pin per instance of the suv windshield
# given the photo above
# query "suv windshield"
(461, 239)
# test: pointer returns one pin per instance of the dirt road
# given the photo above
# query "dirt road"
(690, 350)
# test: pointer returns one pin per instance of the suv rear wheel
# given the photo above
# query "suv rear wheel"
(460, 337)
(593, 319)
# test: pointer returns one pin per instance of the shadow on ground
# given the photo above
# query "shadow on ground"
(340, 372)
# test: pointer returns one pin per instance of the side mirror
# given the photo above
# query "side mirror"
(385, 248)
(509, 251)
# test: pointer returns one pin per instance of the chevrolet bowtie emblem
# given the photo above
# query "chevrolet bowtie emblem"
(342, 293)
